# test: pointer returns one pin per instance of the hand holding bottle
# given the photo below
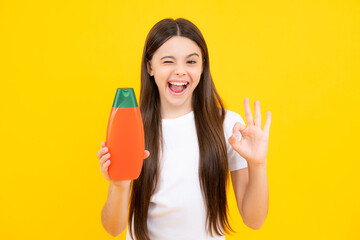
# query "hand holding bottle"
(104, 156)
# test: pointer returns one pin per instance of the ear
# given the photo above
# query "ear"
(149, 68)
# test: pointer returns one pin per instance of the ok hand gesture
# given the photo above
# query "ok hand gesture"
(254, 141)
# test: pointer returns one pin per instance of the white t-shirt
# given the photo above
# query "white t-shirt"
(177, 210)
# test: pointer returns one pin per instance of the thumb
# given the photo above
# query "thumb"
(146, 154)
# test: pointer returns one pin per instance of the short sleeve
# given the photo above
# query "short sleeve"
(236, 161)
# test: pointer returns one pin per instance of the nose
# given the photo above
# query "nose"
(180, 70)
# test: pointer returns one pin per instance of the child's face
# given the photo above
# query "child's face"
(177, 61)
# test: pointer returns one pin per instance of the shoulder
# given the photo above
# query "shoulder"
(231, 116)
(230, 119)
(236, 161)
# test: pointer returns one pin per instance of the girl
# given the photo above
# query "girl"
(194, 142)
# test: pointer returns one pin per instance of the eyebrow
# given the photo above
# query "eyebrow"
(186, 57)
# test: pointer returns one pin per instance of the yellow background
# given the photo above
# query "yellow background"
(61, 62)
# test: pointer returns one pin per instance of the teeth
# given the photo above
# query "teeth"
(178, 83)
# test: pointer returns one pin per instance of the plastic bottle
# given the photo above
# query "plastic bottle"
(125, 137)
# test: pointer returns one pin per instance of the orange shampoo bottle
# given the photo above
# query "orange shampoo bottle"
(125, 137)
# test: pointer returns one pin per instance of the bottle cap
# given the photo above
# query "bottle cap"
(125, 98)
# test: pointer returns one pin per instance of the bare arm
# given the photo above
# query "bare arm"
(252, 194)
(251, 184)
(115, 211)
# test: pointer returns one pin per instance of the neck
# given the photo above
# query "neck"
(174, 112)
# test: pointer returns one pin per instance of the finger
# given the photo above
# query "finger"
(257, 114)
(102, 151)
(234, 143)
(267, 122)
(102, 144)
(237, 127)
(248, 114)
(104, 158)
(105, 165)
(146, 154)
(105, 169)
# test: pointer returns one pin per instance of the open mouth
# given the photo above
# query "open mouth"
(177, 88)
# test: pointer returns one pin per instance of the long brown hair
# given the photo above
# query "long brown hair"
(209, 114)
